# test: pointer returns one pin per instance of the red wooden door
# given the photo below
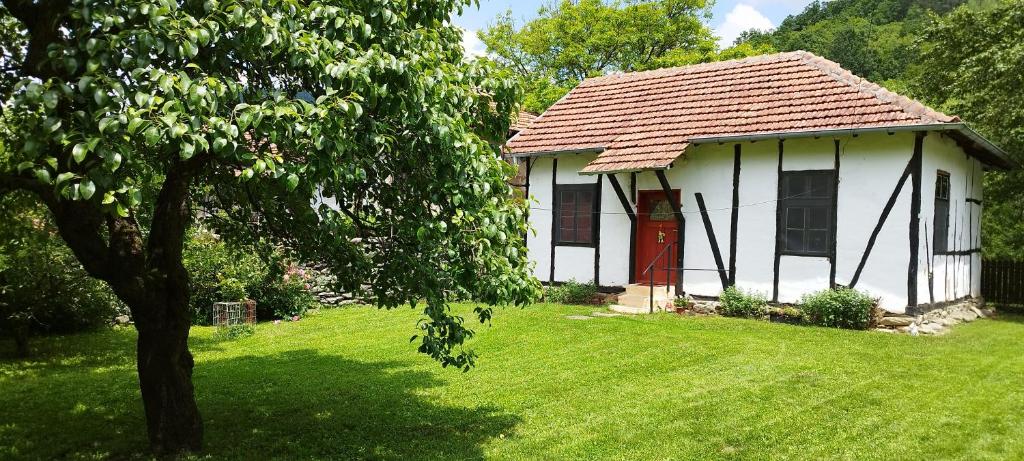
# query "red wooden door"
(656, 228)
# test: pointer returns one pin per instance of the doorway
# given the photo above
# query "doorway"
(657, 228)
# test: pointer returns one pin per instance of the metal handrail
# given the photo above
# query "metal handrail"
(668, 276)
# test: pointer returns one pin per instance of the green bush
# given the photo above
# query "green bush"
(43, 288)
(219, 273)
(736, 303)
(284, 295)
(572, 292)
(840, 308)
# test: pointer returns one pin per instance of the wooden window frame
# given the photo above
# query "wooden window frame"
(825, 202)
(594, 212)
(942, 191)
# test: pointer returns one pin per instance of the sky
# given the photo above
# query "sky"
(729, 17)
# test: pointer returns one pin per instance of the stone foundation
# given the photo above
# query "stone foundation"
(936, 321)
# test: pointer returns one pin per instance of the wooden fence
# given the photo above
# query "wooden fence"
(1002, 281)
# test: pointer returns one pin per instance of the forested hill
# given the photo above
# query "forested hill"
(875, 39)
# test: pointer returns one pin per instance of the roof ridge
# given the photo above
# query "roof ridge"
(842, 75)
(774, 57)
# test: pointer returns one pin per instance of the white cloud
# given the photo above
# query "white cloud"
(472, 44)
(743, 17)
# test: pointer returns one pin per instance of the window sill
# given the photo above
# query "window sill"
(570, 244)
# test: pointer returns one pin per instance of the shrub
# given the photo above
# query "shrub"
(216, 274)
(572, 292)
(840, 308)
(682, 301)
(787, 314)
(220, 273)
(283, 295)
(43, 288)
(736, 303)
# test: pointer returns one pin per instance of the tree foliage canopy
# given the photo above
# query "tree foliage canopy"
(572, 40)
(973, 65)
(873, 39)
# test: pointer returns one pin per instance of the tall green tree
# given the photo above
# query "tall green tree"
(128, 114)
(973, 65)
(871, 38)
(570, 40)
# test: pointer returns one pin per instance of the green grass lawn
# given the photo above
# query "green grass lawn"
(348, 384)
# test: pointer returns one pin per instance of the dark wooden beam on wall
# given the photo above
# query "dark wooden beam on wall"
(554, 216)
(778, 224)
(915, 221)
(712, 240)
(597, 232)
(526, 196)
(881, 222)
(677, 209)
(834, 218)
(734, 220)
(632, 224)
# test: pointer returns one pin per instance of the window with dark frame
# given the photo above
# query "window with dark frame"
(806, 205)
(941, 220)
(576, 210)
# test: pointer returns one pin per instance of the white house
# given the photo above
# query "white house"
(783, 174)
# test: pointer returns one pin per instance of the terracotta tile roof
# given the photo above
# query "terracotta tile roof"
(645, 120)
(523, 120)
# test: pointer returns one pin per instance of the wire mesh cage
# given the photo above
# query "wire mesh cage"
(226, 314)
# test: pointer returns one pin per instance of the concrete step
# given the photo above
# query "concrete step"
(644, 290)
(641, 302)
(627, 309)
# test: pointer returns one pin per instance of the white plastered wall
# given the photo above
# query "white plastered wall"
(573, 262)
(957, 275)
(870, 168)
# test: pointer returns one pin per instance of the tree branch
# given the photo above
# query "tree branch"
(42, 20)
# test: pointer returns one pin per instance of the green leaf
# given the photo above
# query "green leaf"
(43, 175)
(108, 198)
(121, 210)
(152, 135)
(79, 152)
(133, 126)
(83, 83)
(64, 177)
(114, 161)
(187, 150)
(50, 99)
(86, 189)
(177, 130)
(291, 181)
(51, 124)
(106, 123)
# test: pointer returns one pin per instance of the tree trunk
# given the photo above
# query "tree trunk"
(21, 333)
(165, 377)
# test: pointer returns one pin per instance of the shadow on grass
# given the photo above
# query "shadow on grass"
(294, 405)
(303, 404)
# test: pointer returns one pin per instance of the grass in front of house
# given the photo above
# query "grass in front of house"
(348, 384)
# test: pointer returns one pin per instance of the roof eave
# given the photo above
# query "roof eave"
(625, 170)
(554, 153)
(1001, 159)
